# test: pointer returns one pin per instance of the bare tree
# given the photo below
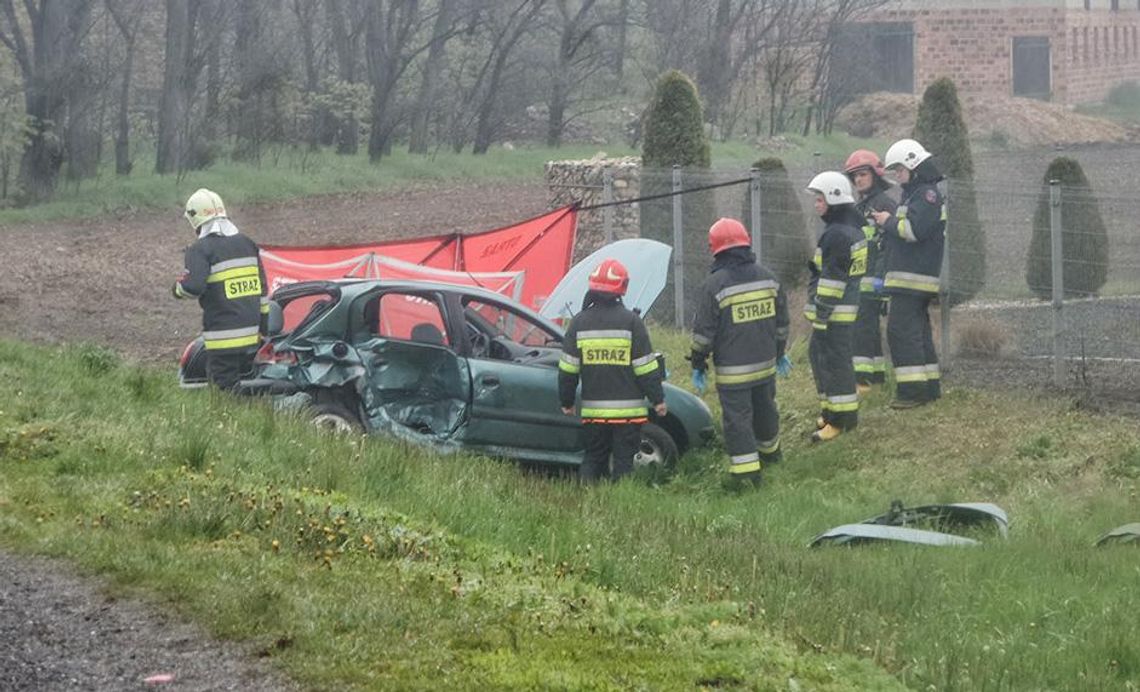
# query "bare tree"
(739, 30)
(346, 23)
(579, 57)
(507, 28)
(46, 58)
(306, 14)
(126, 14)
(442, 30)
(828, 95)
(389, 30)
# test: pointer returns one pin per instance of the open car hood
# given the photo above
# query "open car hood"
(648, 265)
(1129, 533)
(896, 525)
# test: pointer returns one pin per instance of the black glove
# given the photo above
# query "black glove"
(698, 359)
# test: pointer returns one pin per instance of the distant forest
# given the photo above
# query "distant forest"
(199, 79)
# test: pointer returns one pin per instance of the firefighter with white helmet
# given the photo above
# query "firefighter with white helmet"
(223, 272)
(742, 321)
(839, 263)
(914, 235)
(874, 193)
(607, 347)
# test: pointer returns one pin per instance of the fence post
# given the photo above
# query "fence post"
(1058, 283)
(754, 198)
(607, 199)
(678, 252)
(944, 291)
(815, 162)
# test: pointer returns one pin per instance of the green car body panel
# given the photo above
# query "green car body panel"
(501, 400)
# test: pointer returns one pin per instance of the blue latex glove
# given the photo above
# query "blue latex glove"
(700, 381)
(784, 366)
(877, 284)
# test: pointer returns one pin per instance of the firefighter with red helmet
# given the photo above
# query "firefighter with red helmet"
(874, 194)
(607, 347)
(742, 321)
(833, 303)
(223, 272)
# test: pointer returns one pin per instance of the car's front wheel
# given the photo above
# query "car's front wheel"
(335, 418)
(657, 448)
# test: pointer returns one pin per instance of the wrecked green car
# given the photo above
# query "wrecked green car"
(455, 367)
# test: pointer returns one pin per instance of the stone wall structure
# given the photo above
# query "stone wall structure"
(585, 182)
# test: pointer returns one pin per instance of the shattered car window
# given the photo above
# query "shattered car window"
(499, 321)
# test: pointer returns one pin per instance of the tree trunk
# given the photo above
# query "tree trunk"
(344, 44)
(433, 68)
(174, 103)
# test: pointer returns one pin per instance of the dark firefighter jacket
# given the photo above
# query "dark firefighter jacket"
(838, 265)
(608, 347)
(915, 235)
(224, 273)
(742, 318)
(879, 199)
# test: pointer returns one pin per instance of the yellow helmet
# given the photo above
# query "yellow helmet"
(204, 205)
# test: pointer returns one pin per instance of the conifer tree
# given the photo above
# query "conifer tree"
(1084, 238)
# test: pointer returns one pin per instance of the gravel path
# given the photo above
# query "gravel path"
(60, 631)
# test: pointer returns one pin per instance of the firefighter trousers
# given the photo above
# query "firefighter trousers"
(870, 365)
(620, 440)
(834, 374)
(226, 367)
(913, 357)
(751, 426)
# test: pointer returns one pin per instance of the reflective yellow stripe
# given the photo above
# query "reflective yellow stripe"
(746, 297)
(235, 273)
(645, 369)
(830, 292)
(265, 308)
(745, 377)
(604, 343)
(236, 342)
(614, 412)
(768, 447)
(910, 373)
(569, 368)
(749, 467)
(912, 285)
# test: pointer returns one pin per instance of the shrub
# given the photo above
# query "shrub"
(1084, 238)
(674, 135)
(1125, 95)
(942, 130)
(785, 246)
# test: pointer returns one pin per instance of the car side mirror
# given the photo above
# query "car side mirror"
(275, 320)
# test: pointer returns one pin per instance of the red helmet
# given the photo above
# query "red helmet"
(609, 277)
(727, 233)
(863, 158)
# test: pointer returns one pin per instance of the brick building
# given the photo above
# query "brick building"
(1069, 51)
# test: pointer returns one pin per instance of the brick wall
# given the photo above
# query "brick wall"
(1091, 50)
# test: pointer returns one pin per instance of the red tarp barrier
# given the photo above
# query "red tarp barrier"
(539, 248)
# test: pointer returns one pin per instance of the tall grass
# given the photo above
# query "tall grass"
(473, 566)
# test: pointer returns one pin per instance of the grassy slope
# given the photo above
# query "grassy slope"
(499, 578)
(264, 531)
(297, 173)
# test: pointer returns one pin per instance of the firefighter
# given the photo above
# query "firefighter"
(742, 320)
(223, 271)
(607, 346)
(914, 236)
(866, 172)
(833, 303)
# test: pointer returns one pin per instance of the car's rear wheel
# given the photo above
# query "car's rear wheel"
(657, 448)
(335, 418)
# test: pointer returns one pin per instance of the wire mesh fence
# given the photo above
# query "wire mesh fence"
(999, 316)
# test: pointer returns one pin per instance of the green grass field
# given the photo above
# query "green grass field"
(382, 566)
(294, 172)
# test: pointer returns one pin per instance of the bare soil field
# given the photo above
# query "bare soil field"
(107, 281)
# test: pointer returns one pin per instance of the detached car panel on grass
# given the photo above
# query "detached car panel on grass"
(450, 366)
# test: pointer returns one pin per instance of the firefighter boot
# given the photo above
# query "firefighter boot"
(903, 404)
(826, 433)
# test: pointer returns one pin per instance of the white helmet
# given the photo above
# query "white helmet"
(906, 153)
(204, 205)
(834, 186)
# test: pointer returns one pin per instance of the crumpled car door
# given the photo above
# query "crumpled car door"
(415, 389)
